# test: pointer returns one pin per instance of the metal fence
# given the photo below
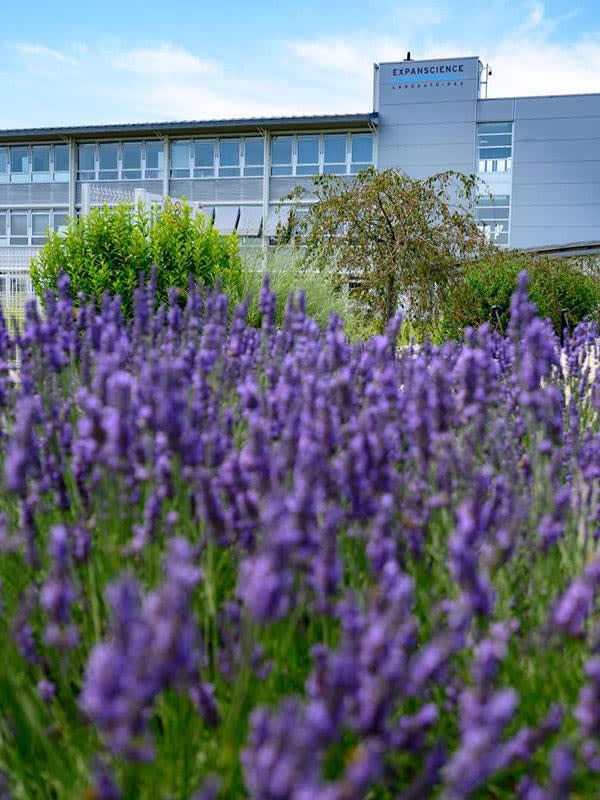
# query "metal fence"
(15, 281)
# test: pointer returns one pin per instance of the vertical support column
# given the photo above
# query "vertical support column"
(166, 169)
(72, 176)
(266, 193)
(86, 202)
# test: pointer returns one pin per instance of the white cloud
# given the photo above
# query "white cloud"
(164, 61)
(41, 52)
(303, 76)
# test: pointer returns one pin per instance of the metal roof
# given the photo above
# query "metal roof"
(568, 249)
(249, 125)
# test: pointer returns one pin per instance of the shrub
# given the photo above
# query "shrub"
(555, 284)
(287, 274)
(107, 249)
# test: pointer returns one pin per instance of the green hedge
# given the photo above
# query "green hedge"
(554, 284)
(107, 249)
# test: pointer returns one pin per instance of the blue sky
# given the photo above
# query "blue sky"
(71, 63)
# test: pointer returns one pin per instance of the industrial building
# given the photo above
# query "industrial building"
(539, 156)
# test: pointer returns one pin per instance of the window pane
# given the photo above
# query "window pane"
(180, 159)
(308, 150)
(60, 220)
(229, 157)
(334, 169)
(494, 141)
(41, 159)
(335, 149)
(61, 158)
(154, 155)
(494, 127)
(18, 224)
(3, 164)
(281, 155)
(2, 225)
(281, 150)
(254, 152)
(40, 223)
(229, 152)
(19, 164)
(132, 156)
(362, 148)
(495, 152)
(86, 161)
(39, 226)
(108, 161)
(204, 158)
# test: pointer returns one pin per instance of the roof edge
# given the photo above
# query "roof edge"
(250, 124)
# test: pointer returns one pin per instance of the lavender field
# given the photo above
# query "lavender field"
(272, 563)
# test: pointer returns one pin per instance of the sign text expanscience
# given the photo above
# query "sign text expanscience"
(432, 72)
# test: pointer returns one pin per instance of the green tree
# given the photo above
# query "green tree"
(397, 240)
(107, 249)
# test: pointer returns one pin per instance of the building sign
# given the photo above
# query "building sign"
(438, 72)
(432, 75)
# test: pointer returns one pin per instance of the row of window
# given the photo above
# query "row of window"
(334, 154)
(494, 146)
(30, 227)
(493, 214)
(309, 154)
(38, 163)
(301, 155)
(111, 161)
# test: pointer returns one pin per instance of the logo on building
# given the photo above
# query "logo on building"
(432, 75)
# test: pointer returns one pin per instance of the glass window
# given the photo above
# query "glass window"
(86, 162)
(18, 228)
(3, 164)
(180, 159)
(40, 222)
(254, 156)
(108, 162)
(60, 221)
(40, 163)
(307, 155)
(281, 155)
(61, 163)
(132, 160)
(335, 154)
(362, 151)
(493, 215)
(154, 160)
(229, 158)
(2, 224)
(19, 164)
(204, 158)
(494, 146)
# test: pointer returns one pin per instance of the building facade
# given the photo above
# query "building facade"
(539, 158)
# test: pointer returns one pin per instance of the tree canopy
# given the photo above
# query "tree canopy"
(398, 241)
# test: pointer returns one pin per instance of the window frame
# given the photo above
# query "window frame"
(489, 163)
(25, 175)
(31, 239)
(502, 236)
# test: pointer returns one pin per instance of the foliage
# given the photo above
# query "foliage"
(288, 275)
(294, 566)
(108, 249)
(485, 288)
(398, 241)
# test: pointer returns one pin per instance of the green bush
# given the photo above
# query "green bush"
(554, 284)
(107, 249)
(287, 274)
